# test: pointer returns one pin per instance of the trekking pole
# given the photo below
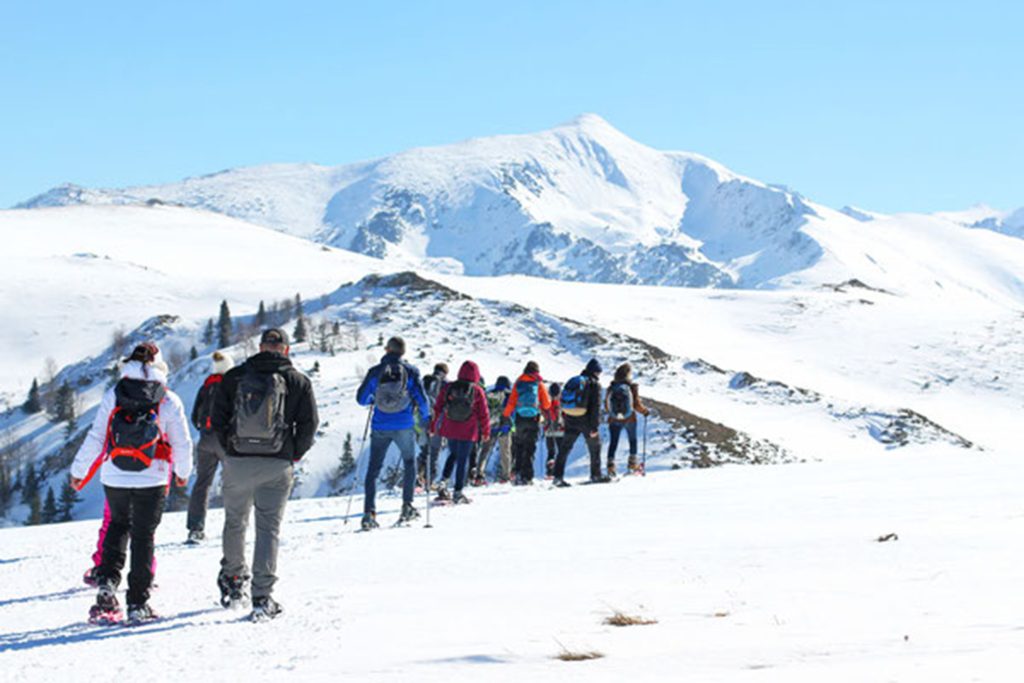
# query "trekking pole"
(643, 467)
(426, 484)
(355, 476)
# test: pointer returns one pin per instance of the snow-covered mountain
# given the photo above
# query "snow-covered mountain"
(985, 217)
(579, 202)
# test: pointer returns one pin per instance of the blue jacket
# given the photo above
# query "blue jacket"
(385, 422)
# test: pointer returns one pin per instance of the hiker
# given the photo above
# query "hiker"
(497, 398)
(622, 403)
(432, 386)
(554, 428)
(581, 406)
(265, 417)
(392, 389)
(208, 451)
(138, 438)
(526, 405)
(461, 416)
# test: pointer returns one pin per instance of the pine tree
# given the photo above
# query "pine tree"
(29, 484)
(33, 404)
(261, 316)
(299, 310)
(346, 466)
(68, 499)
(380, 339)
(224, 326)
(299, 334)
(35, 514)
(64, 403)
(71, 427)
(193, 353)
(209, 332)
(5, 486)
(49, 512)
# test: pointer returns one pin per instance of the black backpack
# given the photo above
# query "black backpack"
(204, 412)
(392, 395)
(134, 437)
(620, 400)
(258, 425)
(458, 402)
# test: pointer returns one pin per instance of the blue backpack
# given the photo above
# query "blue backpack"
(574, 396)
(528, 403)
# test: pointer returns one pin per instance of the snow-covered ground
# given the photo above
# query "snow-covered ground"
(752, 573)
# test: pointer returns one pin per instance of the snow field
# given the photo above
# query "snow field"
(764, 573)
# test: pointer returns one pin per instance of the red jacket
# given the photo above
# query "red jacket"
(478, 426)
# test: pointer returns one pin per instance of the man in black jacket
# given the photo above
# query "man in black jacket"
(209, 452)
(587, 425)
(265, 418)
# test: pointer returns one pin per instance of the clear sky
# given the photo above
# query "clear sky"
(886, 105)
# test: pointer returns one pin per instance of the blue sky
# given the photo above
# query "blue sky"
(886, 105)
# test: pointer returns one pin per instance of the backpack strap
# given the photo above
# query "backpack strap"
(104, 454)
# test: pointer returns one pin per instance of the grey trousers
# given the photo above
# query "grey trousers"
(263, 483)
(208, 457)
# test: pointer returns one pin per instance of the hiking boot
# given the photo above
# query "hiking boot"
(442, 492)
(90, 578)
(195, 536)
(409, 513)
(369, 521)
(549, 470)
(265, 608)
(611, 468)
(600, 479)
(460, 498)
(561, 484)
(107, 609)
(140, 613)
(233, 591)
(633, 465)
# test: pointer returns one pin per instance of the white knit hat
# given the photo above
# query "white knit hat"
(220, 363)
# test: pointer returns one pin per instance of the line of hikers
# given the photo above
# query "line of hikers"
(258, 419)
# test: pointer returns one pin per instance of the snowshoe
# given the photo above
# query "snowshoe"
(601, 479)
(369, 522)
(460, 498)
(140, 614)
(107, 610)
(561, 484)
(233, 591)
(90, 578)
(195, 536)
(409, 513)
(265, 609)
(443, 495)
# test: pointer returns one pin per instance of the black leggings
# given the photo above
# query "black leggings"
(135, 514)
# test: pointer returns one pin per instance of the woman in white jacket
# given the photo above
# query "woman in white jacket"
(139, 436)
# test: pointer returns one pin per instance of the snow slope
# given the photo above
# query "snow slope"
(72, 276)
(751, 573)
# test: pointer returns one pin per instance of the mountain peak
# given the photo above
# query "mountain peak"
(590, 123)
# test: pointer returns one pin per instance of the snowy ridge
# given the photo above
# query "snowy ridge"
(703, 415)
(580, 201)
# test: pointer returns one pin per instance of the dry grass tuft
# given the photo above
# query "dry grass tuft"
(620, 619)
(567, 656)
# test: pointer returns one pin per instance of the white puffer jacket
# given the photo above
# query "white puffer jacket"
(173, 424)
